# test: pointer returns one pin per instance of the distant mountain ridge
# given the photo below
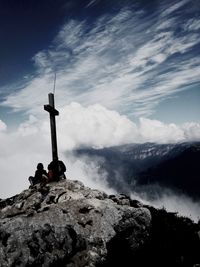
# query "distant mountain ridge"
(175, 166)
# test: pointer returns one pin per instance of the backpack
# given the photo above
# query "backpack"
(61, 167)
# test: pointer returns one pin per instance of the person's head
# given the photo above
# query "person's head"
(40, 166)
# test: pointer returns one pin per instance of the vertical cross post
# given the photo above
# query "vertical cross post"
(52, 114)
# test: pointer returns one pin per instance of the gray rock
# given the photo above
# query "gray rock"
(67, 224)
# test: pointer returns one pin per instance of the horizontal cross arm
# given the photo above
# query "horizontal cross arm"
(51, 110)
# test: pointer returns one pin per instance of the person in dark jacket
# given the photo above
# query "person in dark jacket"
(40, 175)
(56, 171)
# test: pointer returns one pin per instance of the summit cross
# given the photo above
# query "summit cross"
(52, 114)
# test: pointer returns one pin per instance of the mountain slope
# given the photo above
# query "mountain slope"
(175, 166)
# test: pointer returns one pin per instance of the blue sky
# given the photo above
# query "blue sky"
(140, 58)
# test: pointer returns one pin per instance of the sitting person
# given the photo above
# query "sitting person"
(40, 175)
(56, 171)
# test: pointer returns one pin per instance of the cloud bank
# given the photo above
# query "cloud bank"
(170, 200)
(92, 126)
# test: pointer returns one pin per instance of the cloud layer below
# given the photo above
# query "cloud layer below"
(92, 126)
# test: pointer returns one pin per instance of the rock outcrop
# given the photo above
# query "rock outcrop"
(67, 224)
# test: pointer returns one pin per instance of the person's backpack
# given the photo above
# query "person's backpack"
(61, 167)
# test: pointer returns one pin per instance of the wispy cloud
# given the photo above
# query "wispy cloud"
(92, 2)
(128, 62)
(192, 25)
(174, 7)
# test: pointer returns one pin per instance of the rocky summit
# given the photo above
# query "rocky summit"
(68, 224)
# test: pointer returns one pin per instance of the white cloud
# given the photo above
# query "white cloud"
(166, 24)
(19, 154)
(93, 126)
(92, 2)
(88, 172)
(191, 130)
(23, 148)
(184, 205)
(156, 131)
(3, 126)
(175, 7)
(170, 200)
(192, 25)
